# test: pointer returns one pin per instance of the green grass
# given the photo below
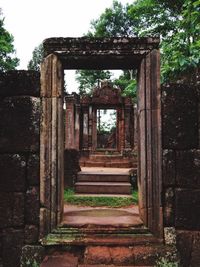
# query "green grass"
(99, 201)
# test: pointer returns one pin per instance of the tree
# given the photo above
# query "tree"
(114, 21)
(127, 82)
(181, 57)
(8, 61)
(154, 17)
(88, 79)
(37, 57)
(178, 25)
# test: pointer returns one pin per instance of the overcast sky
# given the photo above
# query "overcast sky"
(32, 21)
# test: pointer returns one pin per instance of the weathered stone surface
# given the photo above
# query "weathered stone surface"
(12, 245)
(169, 199)
(180, 117)
(13, 171)
(66, 259)
(31, 255)
(11, 209)
(195, 255)
(32, 206)
(20, 82)
(31, 233)
(1, 245)
(188, 168)
(33, 170)
(116, 52)
(184, 246)
(121, 256)
(19, 124)
(107, 95)
(187, 209)
(168, 169)
(146, 255)
(71, 167)
(98, 254)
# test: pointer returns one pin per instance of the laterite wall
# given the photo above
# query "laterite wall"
(181, 168)
(19, 163)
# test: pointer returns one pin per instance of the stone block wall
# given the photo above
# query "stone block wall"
(181, 168)
(19, 163)
(71, 167)
(19, 166)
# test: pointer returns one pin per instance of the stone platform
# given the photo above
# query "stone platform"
(101, 216)
(101, 180)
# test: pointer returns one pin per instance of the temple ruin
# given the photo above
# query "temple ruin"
(32, 144)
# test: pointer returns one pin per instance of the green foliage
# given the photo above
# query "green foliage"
(163, 262)
(32, 263)
(178, 25)
(176, 22)
(88, 79)
(181, 57)
(128, 84)
(154, 17)
(7, 59)
(99, 201)
(130, 89)
(37, 57)
(115, 21)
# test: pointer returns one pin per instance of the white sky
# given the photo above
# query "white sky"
(32, 21)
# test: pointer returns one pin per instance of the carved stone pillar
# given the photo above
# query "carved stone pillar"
(85, 143)
(69, 124)
(127, 127)
(77, 127)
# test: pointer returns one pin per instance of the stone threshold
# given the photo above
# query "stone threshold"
(110, 236)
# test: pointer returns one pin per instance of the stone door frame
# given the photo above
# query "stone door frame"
(109, 53)
(94, 134)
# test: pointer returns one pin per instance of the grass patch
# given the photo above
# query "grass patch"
(99, 201)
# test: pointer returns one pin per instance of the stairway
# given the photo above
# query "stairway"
(114, 160)
(104, 247)
(110, 181)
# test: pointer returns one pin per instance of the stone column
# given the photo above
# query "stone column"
(127, 126)
(77, 127)
(90, 124)
(69, 123)
(85, 143)
(94, 129)
(120, 126)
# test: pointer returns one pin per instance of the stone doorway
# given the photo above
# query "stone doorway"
(115, 53)
(106, 129)
(101, 127)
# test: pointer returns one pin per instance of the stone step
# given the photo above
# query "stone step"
(105, 195)
(125, 256)
(103, 265)
(59, 259)
(143, 255)
(103, 188)
(111, 157)
(100, 236)
(102, 177)
(104, 247)
(110, 164)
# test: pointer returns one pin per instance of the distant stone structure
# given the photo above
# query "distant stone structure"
(81, 124)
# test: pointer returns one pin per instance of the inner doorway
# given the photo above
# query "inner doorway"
(112, 53)
(106, 129)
